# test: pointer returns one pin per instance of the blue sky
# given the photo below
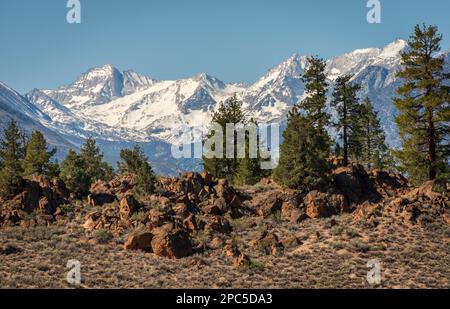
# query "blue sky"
(236, 41)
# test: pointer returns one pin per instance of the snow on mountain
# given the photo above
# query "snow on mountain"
(13, 101)
(29, 117)
(271, 97)
(98, 86)
(127, 107)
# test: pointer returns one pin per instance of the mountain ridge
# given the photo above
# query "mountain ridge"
(128, 107)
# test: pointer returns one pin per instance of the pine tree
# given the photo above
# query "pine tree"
(249, 169)
(315, 81)
(423, 106)
(345, 101)
(229, 112)
(304, 155)
(373, 148)
(96, 168)
(74, 173)
(37, 158)
(11, 154)
(135, 162)
(305, 152)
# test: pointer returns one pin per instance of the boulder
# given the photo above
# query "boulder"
(318, 205)
(139, 241)
(355, 184)
(269, 206)
(221, 205)
(101, 187)
(172, 244)
(128, 206)
(157, 218)
(365, 211)
(100, 199)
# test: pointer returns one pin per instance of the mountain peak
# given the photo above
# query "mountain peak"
(392, 50)
(209, 80)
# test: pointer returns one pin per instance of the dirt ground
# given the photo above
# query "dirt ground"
(321, 253)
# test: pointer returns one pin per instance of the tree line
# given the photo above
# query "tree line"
(423, 121)
(22, 157)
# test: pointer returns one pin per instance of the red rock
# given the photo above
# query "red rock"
(139, 241)
(171, 244)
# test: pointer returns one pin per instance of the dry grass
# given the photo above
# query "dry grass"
(326, 253)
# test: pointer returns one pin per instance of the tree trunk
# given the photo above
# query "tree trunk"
(345, 136)
(431, 146)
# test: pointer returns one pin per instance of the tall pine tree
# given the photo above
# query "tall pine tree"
(229, 112)
(249, 169)
(423, 106)
(316, 85)
(346, 102)
(373, 147)
(11, 154)
(38, 158)
(305, 152)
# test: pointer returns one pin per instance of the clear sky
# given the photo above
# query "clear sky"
(234, 40)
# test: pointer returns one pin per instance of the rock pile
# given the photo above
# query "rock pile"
(102, 192)
(39, 196)
(420, 205)
(180, 207)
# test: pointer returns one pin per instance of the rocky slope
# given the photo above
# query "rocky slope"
(263, 236)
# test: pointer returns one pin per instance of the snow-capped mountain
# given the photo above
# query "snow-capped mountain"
(28, 116)
(98, 86)
(123, 107)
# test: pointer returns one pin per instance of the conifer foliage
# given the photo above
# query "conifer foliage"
(96, 168)
(11, 153)
(79, 171)
(74, 173)
(315, 81)
(372, 138)
(346, 102)
(423, 105)
(221, 166)
(135, 162)
(304, 157)
(37, 158)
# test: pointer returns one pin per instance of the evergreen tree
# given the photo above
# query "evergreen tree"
(305, 152)
(135, 162)
(423, 106)
(304, 155)
(372, 137)
(11, 154)
(229, 112)
(315, 81)
(37, 158)
(249, 169)
(345, 101)
(74, 173)
(96, 168)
